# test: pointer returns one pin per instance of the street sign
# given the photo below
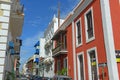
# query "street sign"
(102, 64)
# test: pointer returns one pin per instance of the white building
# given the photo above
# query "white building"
(42, 50)
(24, 69)
(47, 62)
(11, 14)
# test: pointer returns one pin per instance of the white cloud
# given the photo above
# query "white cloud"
(28, 47)
(32, 40)
(34, 22)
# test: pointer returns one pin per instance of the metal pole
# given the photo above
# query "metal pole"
(103, 76)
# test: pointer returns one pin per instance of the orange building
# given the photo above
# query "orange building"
(87, 44)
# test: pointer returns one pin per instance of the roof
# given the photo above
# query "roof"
(73, 14)
(57, 34)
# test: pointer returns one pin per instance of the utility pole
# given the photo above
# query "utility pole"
(58, 14)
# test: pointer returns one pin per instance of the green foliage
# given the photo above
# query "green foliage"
(10, 76)
(62, 72)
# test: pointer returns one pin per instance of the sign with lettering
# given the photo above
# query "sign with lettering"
(102, 64)
(117, 53)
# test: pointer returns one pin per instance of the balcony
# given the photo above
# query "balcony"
(17, 55)
(48, 44)
(16, 20)
(18, 42)
(17, 45)
(48, 61)
(60, 49)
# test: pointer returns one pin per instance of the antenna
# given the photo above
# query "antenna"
(58, 14)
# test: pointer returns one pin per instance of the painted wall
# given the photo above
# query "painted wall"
(70, 52)
(4, 19)
(42, 50)
(98, 42)
(115, 15)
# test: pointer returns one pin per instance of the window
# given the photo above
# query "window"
(65, 65)
(58, 65)
(65, 42)
(81, 66)
(78, 33)
(89, 24)
(92, 64)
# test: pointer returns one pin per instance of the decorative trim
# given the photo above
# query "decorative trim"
(74, 14)
(81, 53)
(77, 45)
(91, 39)
(74, 54)
(3, 42)
(109, 40)
(88, 58)
(6, 2)
(1, 72)
(3, 35)
(2, 64)
(2, 57)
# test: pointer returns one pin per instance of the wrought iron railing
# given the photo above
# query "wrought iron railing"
(59, 48)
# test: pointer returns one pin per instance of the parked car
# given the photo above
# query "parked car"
(61, 77)
(24, 78)
(35, 77)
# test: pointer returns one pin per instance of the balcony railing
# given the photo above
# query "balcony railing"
(17, 55)
(48, 44)
(19, 42)
(60, 49)
(17, 7)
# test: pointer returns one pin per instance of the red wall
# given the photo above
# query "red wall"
(115, 16)
(99, 38)
(69, 54)
(98, 42)
(70, 51)
(61, 58)
(30, 65)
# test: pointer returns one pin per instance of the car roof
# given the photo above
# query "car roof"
(62, 76)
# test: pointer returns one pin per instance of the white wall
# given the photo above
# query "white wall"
(4, 19)
(42, 50)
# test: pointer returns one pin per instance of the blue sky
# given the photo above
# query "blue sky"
(38, 14)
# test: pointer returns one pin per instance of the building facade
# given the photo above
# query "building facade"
(31, 70)
(87, 43)
(47, 62)
(11, 14)
(24, 69)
